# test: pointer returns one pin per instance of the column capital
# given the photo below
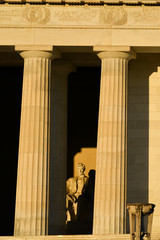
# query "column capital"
(29, 51)
(123, 52)
(121, 55)
(37, 54)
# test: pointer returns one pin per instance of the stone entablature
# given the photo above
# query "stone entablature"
(37, 24)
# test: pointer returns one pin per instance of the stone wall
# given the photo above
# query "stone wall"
(154, 146)
(144, 132)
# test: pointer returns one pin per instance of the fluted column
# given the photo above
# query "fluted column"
(34, 145)
(110, 186)
(58, 163)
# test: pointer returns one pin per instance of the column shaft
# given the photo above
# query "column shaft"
(110, 186)
(32, 179)
(58, 163)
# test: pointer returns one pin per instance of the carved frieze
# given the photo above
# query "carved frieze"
(149, 15)
(9, 14)
(75, 15)
(113, 16)
(51, 16)
(34, 15)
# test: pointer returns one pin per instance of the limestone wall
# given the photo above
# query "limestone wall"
(154, 146)
(144, 132)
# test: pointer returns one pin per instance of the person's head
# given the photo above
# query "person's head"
(80, 169)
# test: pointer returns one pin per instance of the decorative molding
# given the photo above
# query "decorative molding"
(151, 15)
(79, 27)
(113, 16)
(39, 15)
(87, 2)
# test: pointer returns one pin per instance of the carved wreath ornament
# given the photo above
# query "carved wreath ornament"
(36, 15)
(113, 17)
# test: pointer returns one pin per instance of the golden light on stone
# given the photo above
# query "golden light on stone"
(122, 38)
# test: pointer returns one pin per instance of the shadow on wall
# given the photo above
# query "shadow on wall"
(10, 105)
(83, 105)
(140, 70)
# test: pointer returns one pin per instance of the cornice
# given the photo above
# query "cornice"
(85, 2)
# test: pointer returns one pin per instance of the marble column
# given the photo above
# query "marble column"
(31, 212)
(58, 140)
(110, 185)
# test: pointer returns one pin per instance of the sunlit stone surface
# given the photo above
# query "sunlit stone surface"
(80, 30)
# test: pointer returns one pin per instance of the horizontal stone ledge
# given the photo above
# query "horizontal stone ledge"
(69, 237)
(154, 236)
(89, 2)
